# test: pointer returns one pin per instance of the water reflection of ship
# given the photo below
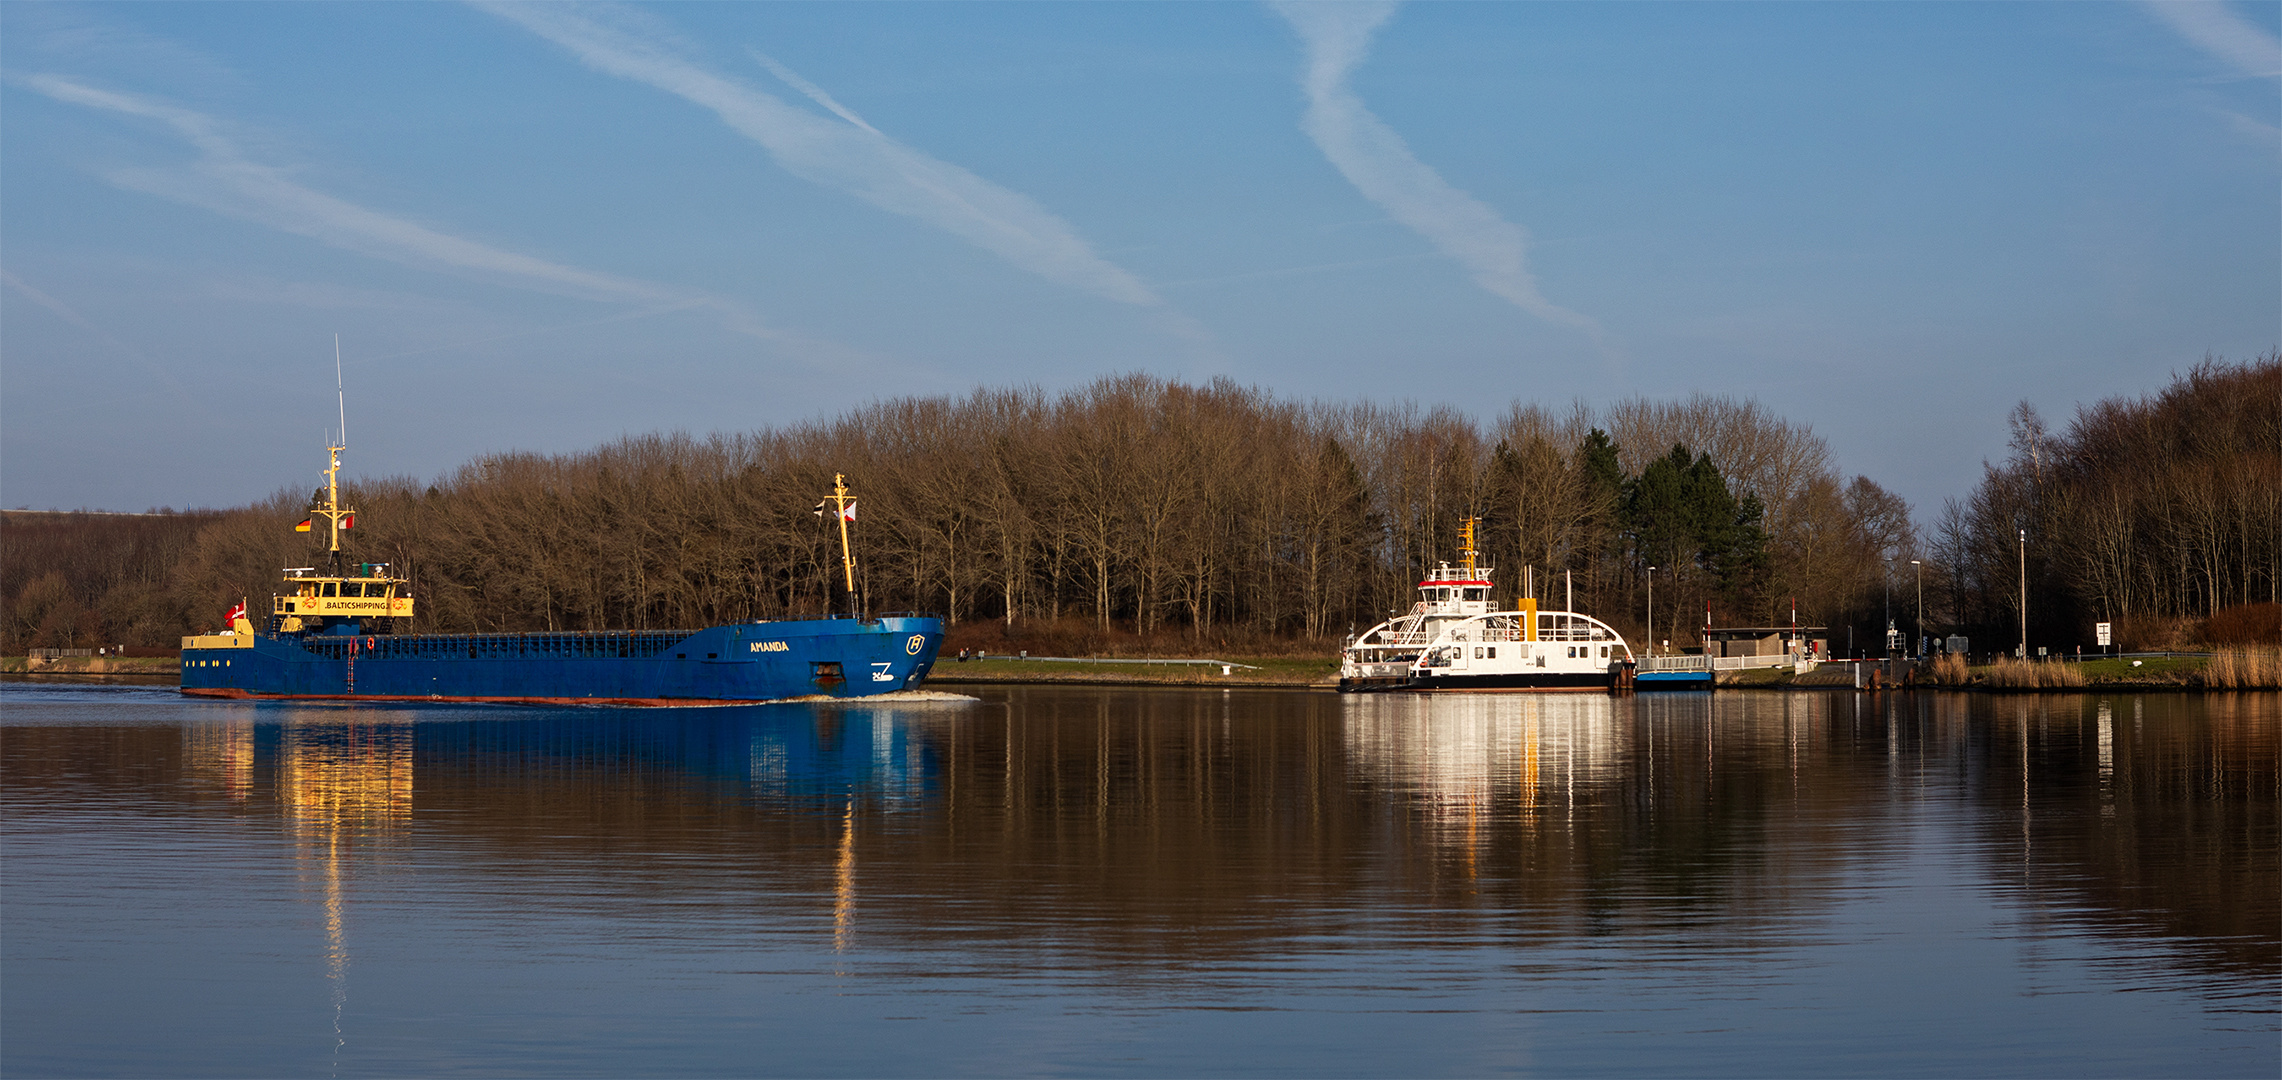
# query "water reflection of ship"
(1179, 826)
(345, 785)
(817, 755)
(220, 754)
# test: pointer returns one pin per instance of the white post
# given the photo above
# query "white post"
(1652, 611)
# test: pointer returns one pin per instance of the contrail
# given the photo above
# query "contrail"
(2224, 34)
(64, 311)
(1372, 157)
(844, 153)
(815, 93)
(224, 180)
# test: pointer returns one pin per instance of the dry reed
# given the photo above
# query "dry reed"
(1949, 669)
(2011, 674)
(2245, 667)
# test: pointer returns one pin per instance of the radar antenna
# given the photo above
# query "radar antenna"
(341, 389)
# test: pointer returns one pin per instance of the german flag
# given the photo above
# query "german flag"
(304, 526)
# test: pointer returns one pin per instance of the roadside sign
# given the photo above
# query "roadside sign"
(2103, 629)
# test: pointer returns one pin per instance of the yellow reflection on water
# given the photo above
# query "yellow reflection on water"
(844, 884)
(341, 782)
(222, 754)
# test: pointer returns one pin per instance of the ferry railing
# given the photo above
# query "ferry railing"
(1698, 662)
(1675, 663)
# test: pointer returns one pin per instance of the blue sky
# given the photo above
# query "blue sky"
(540, 227)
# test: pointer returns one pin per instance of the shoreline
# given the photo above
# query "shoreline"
(1271, 673)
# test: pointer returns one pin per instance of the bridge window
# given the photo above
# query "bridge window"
(328, 589)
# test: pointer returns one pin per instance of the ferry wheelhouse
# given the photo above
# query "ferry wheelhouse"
(1455, 638)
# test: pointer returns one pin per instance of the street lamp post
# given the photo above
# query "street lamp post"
(1651, 611)
(1919, 569)
(2024, 594)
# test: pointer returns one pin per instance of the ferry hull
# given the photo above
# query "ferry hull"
(1498, 682)
(742, 662)
(1553, 680)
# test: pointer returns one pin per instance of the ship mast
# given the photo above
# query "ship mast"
(1466, 545)
(841, 500)
(334, 511)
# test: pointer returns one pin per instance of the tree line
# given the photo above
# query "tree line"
(2160, 514)
(1133, 507)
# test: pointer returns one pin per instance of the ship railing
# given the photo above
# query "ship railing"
(578, 645)
(853, 615)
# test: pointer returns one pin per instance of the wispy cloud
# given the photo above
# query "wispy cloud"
(841, 151)
(225, 180)
(2214, 28)
(1337, 36)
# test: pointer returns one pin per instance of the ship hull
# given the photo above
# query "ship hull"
(741, 662)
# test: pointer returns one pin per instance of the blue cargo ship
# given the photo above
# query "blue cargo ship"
(340, 635)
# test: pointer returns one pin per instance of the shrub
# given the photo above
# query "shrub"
(2245, 624)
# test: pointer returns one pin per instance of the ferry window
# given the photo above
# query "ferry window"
(351, 588)
(1604, 652)
(1493, 652)
(328, 588)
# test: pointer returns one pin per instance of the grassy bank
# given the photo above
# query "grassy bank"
(1267, 671)
(93, 665)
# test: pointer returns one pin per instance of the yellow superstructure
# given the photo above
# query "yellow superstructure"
(368, 597)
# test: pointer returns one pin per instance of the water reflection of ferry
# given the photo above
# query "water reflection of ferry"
(1454, 638)
(1469, 751)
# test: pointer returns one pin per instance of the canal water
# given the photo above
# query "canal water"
(1083, 881)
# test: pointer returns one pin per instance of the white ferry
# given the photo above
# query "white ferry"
(1455, 638)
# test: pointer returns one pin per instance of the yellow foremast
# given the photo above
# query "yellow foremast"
(840, 501)
(333, 511)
